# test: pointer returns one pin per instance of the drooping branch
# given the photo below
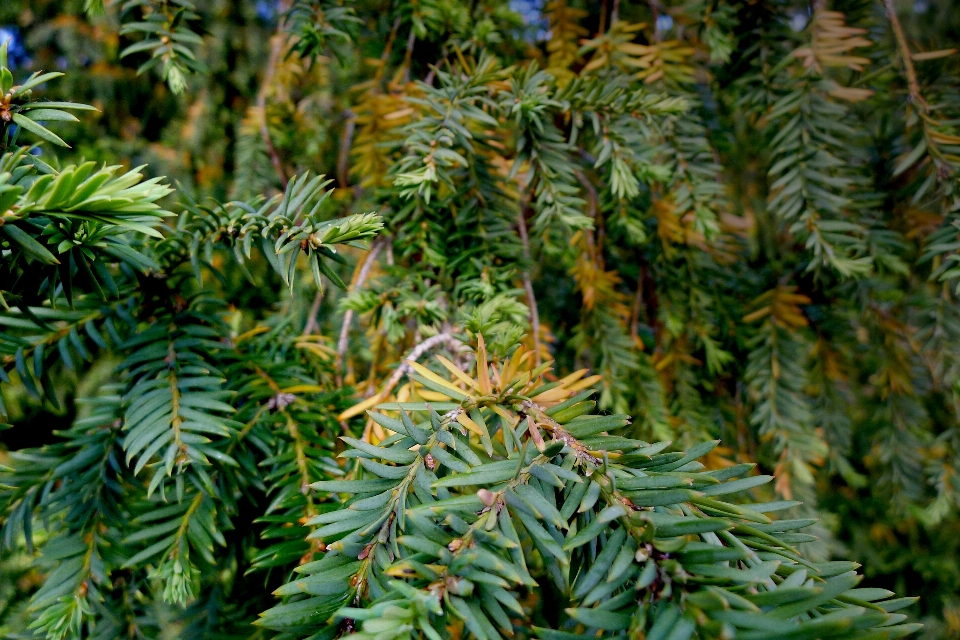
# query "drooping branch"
(408, 54)
(312, 324)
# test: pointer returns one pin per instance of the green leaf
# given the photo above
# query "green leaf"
(393, 454)
(600, 619)
(479, 476)
(39, 130)
(26, 242)
(353, 486)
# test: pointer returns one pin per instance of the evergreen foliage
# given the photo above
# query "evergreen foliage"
(516, 488)
(329, 377)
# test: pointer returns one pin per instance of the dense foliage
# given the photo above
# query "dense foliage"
(248, 400)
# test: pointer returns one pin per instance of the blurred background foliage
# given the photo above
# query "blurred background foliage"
(774, 266)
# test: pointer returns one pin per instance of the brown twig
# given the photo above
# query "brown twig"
(415, 354)
(361, 277)
(940, 161)
(386, 50)
(913, 85)
(528, 287)
(390, 254)
(312, 323)
(408, 55)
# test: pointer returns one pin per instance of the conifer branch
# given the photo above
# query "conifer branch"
(916, 97)
(624, 194)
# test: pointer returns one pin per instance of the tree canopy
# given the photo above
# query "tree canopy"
(449, 318)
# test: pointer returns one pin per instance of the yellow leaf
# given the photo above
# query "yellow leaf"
(943, 138)
(455, 370)
(359, 408)
(552, 395)
(432, 377)
(653, 77)
(465, 420)
(597, 63)
(497, 378)
(513, 365)
(633, 49)
(600, 454)
(663, 364)
(249, 334)
(627, 27)
(483, 376)
(756, 315)
(932, 55)
(573, 377)
(401, 571)
(399, 113)
(503, 413)
(303, 388)
(586, 383)
(321, 350)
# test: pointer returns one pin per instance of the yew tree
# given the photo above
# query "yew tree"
(441, 319)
